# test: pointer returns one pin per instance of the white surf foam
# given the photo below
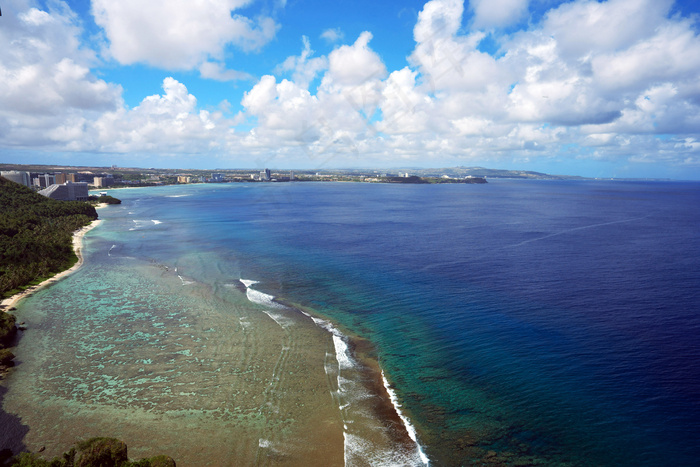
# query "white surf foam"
(341, 353)
(282, 320)
(247, 283)
(109, 253)
(267, 301)
(261, 298)
(406, 422)
(264, 443)
(184, 282)
(156, 222)
(138, 224)
(357, 449)
(322, 323)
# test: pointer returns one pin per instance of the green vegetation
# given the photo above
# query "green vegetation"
(413, 179)
(36, 236)
(94, 452)
(106, 199)
(7, 328)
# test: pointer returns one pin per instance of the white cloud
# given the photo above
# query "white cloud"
(163, 124)
(332, 35)
(35, 17)
(355, 64)
(178, 34)
(588, 27)
(554, 87)
(304, 68)
(497, 13)
(449, 61)
(405, 110)
(672, 53)
(613, 80)
(48, 91)
(218, 72)
(336, 122)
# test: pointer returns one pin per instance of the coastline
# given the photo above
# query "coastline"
(292, 362)
(78, 235)
(385, 407)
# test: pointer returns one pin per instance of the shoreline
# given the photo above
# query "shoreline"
(362, 352)
(78, 235)
(395, 432)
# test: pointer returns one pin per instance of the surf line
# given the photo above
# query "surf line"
(406, 422)
(184, 282)
(345, 362)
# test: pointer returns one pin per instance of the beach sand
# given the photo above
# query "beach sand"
(78, 235)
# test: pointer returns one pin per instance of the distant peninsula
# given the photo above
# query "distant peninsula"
(104, 178)
(414, 179)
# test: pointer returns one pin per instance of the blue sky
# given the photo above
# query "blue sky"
(583, 87)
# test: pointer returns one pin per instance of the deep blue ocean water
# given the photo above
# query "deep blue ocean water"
(558, 319)
(541, 321)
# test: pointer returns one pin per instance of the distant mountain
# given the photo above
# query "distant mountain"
(461, 172)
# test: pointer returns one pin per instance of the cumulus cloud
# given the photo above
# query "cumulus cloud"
(48, 92)
(51, 99)
(497, 13)
(610, 80)
(178, 34)
(167, 123)
(621, 73)
(305, 67)
(335, 122)
(355, 64)
(447, 60)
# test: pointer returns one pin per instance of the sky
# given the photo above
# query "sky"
(582, 87)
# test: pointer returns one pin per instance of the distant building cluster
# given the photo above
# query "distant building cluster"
(23, 178)
(68, 191)
(61, 186)
(100, 182)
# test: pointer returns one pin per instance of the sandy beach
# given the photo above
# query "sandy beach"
(78, 235)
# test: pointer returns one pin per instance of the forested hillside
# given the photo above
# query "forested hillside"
(36, 235)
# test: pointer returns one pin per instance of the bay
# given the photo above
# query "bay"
(550, 322)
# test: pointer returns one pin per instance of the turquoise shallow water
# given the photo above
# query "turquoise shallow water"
(517, 322)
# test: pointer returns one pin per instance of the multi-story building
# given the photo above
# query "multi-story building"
(62, 178)
(265, 174)
(68, 191)
(183, 179)
(103, 181)
(44, 180)
(23, 178)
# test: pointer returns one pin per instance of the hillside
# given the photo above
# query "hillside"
(35, 235)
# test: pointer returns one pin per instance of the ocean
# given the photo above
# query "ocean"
(519, 322)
